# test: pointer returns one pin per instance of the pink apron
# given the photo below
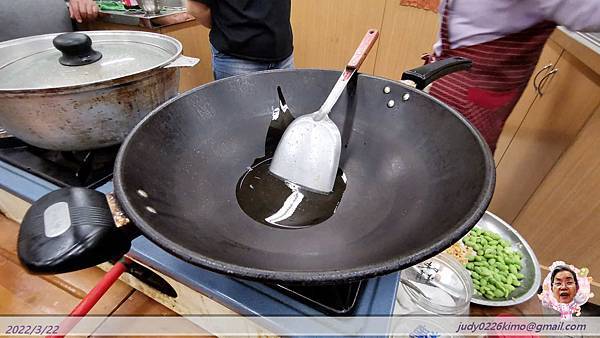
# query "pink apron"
(487, 93)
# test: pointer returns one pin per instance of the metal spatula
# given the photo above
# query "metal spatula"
(309, 151)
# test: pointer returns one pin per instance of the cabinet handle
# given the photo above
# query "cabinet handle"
(535, 83)
(545, 79)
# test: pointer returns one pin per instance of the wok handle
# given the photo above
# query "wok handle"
(71, 229)
(363, 49)
(424, 75)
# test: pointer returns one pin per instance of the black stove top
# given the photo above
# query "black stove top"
(330, 299)
(88, 169)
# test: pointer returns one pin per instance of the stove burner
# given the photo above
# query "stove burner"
(332, 299)
(64, 168)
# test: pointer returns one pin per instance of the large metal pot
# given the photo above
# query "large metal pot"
(78, 91)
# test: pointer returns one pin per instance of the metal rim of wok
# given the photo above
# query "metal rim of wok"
(310, 277)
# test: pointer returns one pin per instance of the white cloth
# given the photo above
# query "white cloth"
(473, 22)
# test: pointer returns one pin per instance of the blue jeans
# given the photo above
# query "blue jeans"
(226, 65)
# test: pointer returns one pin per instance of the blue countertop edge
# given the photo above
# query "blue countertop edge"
(244, 297)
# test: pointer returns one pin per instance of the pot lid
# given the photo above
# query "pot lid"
(440, 285)
(84, 58)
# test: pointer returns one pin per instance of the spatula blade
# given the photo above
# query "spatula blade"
(302, 159)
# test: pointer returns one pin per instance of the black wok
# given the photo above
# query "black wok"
(419, 178)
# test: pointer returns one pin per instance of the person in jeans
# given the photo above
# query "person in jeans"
(246, 36)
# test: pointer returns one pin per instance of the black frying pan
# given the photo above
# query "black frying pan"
(419, 177)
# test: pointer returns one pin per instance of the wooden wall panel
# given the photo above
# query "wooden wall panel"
(407, 33)
(547, 131)
(327, 32)
(561, 221)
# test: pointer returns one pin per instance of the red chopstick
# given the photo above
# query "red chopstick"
(88, 302)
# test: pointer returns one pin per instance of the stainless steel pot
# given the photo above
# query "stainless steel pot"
(87, 90)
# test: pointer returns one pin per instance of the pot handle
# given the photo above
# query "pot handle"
(424, 75)
(71, 229)
(76, 49)
(183, 61)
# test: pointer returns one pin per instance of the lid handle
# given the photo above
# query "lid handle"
(76, 49)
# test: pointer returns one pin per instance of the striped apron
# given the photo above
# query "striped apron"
(487, 93)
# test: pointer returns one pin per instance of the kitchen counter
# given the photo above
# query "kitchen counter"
(584, 46)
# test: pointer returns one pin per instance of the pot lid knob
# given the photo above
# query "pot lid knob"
(76, 49)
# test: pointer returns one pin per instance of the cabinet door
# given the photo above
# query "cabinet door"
(408, 33)
(561, 220)
(547, 61)
(551, 125)
(326, 33)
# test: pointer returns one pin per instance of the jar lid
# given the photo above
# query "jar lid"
(63, 60)
(439, 285)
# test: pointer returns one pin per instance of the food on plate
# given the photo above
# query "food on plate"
(460, 252)
(495, 267)
(118, 215)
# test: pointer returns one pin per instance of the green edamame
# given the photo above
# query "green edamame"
(495, 268)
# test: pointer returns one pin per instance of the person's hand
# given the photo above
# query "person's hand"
(83, 10)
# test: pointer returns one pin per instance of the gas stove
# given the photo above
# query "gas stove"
(64, 168)
(193, 290)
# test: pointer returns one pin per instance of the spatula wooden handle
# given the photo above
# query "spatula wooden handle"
(363, 49)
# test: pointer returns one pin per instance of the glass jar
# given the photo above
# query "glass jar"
(437, 286)
(440, 285)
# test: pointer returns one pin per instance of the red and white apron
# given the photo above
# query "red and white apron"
(488, 92)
